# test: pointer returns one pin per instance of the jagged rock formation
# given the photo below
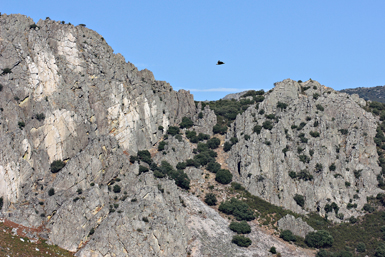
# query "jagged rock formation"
(324, 134)
(295, 225)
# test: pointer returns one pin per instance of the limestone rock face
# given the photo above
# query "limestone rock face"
(320, 132)
(297, 226)
(72, 77)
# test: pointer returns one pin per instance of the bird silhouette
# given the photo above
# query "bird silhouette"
(220, 63)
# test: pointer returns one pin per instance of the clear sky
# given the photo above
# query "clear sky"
(338, 43)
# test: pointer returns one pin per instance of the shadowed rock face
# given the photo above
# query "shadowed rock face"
(345, 139)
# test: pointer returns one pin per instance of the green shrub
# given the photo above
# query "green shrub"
(57, 165)
(304, 175)
(321, 238)
(293, 174)
(21, 124)
(142, 169)
(213, 167)
(51, 192)
(287, 235)
(261, 112)
(240, 227)
(161, 128)
(320, 107)
(241, 241)
(304, 158)
(318, 167)
(219, 129)
(6, 71)
(357, 173)
(145, 156)
(343, 131)
(227, 146)
(361, 247)
(273, 250)
(314, 133)
(299, 199)
(224, 176)
(315, 124)
(367, 207)
(211, 199)
(246, 137)
(191, 162)
(1, 203)
(301, 125)
(200, 115)
(117, 189)
(281, 105)
(267, 125)
(40, 116)
(332, 167)
(161, 145)
(352, 219)
(181, 166)
(1, 87)
(92, 231)
(380, 250)
(239, 209)
(213, 143)
(347, 184)
(302, 138)
(190, 134)
(133, 158)
(257, 129)
(186, 123)
(315, 96)
(173, 130)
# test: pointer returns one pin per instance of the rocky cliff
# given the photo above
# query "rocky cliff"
(66, 96)
(308, 140)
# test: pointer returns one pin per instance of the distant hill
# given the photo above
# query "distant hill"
(368, 93)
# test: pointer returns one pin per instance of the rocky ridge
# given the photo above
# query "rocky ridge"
(309, 128)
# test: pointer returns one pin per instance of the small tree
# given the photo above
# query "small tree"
(321, 238)
(173, 130)
(240, 227)
(287, 235)
(241, 241)
(224, 176)
(210, 199)
(186, 123)
(51, 192)
(117, 189)
(161, 146)
(300, 200)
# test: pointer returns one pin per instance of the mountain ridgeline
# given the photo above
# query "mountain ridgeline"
(101, 159)
(376, 94)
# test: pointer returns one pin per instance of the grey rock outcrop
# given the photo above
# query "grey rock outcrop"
(210, 235)
(295, 225)
(335, 131)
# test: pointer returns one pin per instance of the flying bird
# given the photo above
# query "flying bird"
(220, 63)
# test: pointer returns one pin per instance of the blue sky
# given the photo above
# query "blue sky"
(338, 43)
